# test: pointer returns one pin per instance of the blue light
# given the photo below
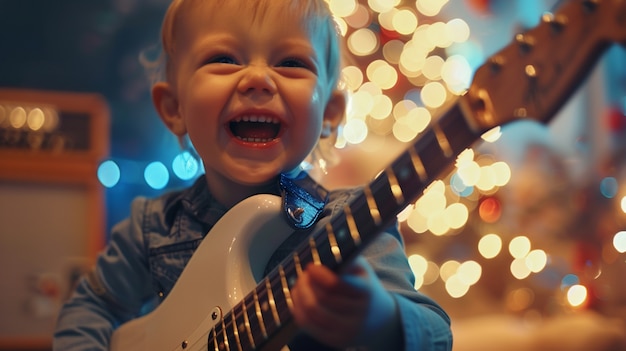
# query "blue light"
(457, 185)
(185, 166)
(569, 280)
(608, 187)
(109, 173)
(156, 175)
(415, 96)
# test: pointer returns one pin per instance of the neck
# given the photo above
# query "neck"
(229, 193)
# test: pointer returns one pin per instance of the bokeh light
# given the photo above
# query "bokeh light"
(156, 175)
(109, 173)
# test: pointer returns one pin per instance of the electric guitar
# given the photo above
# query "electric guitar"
(530, 78)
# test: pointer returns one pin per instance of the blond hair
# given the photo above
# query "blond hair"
(317, 15)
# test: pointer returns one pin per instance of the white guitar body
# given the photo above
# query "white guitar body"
(225, 267)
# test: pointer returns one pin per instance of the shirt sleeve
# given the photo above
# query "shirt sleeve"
(112, 293)
(426, 326)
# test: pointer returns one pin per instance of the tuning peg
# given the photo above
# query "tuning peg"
(557, 23)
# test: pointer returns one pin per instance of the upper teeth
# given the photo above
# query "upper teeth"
(255, 118)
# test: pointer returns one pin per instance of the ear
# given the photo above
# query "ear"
(166, 104)
(334, 112)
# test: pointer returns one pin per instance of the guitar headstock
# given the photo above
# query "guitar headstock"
(534, 76)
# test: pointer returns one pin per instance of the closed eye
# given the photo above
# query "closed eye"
(294, 63)
(224, 59)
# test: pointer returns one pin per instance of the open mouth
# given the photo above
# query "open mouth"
(255, 129)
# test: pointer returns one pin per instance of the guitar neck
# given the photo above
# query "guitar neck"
(264, 314)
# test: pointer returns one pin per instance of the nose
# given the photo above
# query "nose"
(257, 79)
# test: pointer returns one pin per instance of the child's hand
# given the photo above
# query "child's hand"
(350, 309)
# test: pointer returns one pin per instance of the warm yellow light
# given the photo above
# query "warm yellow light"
(519, 269)
(402, 130)
(623, 203)
(359, 18)
(448, 269)
(352, 77)
(404, 22)
(459, 29)
(371, 88)
(385, 19)
(469, 272)
(382, 107)
(439, 34)
(536, 260)
(469, 173)
(456, 287)
(430, 7)
(432, 273)
(342, 8)
(490, 245)
(434, 94)
(382, 5)
(418, 119)
(421, 39)
(17, 117)
(487, 179)
(433, 201)
(457, 74)
(417, 222)
(355, 131)
(418, 264)
(457, 215)
(619, 241)
(363, 42)
(502, 172)
(413, 58)
(519, 247)
(341, 25)
(383, 74)
(35, 119)
(432, 67)
(576, 295)
(360, 104)
(392, 51)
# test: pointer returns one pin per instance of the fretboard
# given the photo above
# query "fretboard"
(264, 314)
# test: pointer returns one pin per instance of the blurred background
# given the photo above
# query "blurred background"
(523, 240)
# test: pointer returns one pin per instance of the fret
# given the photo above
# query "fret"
(246, 322)
(224, 333)
(354, 232)
(314, 252)
(220, 341)
(286, 291)
(213, 337)
(259, 314)
(418, 165)
(408, 180)
(393, 185)
(297, 264)
(282, 308)
(242, 325)
(334, 247)
(270, 297)
(444, 144)
(371, 203)
(236, 334)
(344, 240)
(265, 303)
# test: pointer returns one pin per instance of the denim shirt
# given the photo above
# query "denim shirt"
(148, 251)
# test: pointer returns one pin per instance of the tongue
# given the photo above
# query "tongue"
(254, 130)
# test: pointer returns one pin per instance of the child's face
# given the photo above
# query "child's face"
(251, 91)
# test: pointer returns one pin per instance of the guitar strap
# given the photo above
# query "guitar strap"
(303, 199)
